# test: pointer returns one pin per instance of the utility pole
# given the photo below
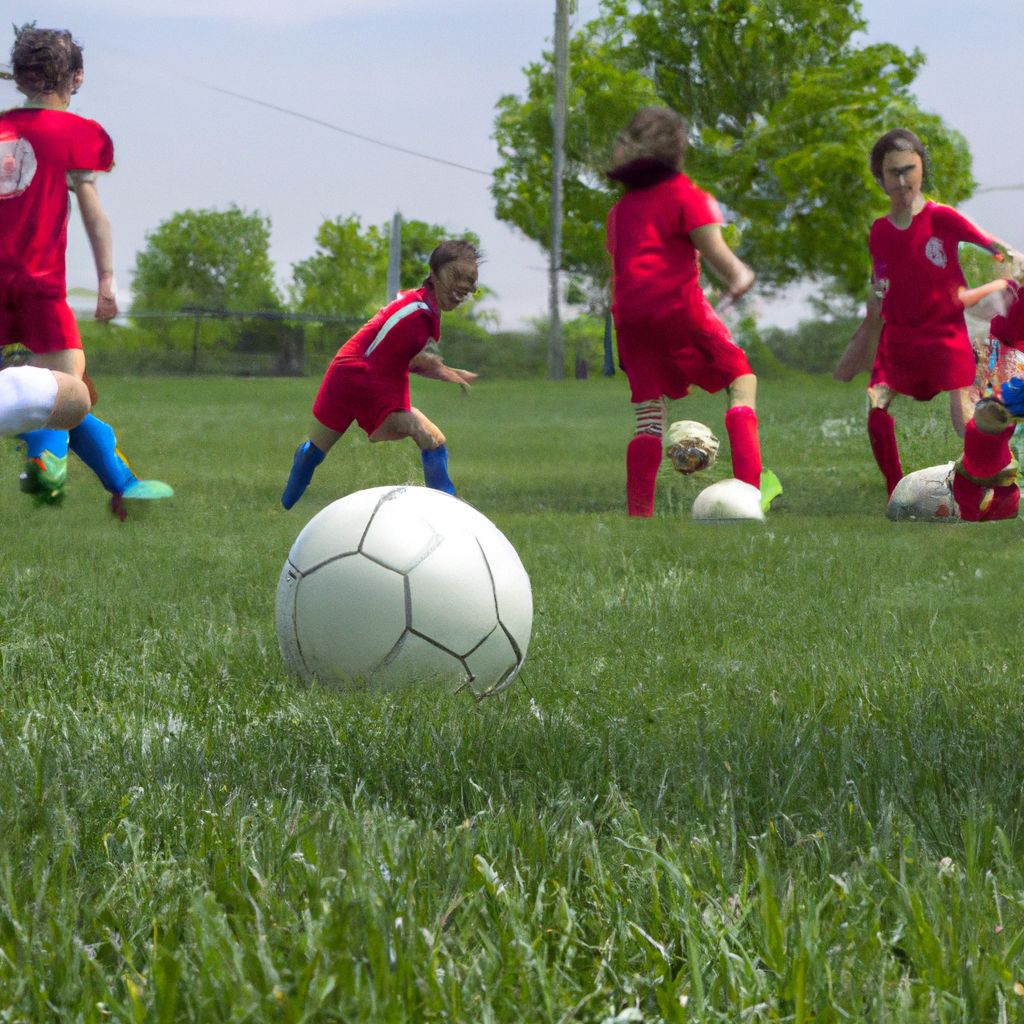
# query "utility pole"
(395, 257)
(556, 357)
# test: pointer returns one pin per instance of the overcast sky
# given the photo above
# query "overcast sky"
(424, 75)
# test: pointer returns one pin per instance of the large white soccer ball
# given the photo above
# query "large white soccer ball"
(926, 495)
(398, 586)
(728, 501)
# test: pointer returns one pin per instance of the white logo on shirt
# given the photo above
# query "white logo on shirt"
(935, 251)
(17, 166)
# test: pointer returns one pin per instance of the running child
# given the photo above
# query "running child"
(914, 327)
(368, 380)
(669, 336)
(43, 148)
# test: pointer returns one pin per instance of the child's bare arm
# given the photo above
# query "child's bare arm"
(863, 345)
(428, 364)
(728, 267)
(97, 227)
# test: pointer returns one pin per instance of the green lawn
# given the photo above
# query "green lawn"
(748, 773)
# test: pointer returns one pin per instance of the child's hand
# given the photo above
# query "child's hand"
(106, 298)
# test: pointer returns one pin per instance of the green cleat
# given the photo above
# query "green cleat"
(139, 490)
(771, 488)
(44, 478)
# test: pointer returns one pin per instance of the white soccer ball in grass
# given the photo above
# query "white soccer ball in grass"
(926, 495)
(728, 501)
(402, 586)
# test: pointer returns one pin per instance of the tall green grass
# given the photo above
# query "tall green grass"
(749, 773)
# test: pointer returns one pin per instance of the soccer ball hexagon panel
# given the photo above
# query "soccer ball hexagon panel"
(398, 586)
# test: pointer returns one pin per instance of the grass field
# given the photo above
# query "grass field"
(749, 773)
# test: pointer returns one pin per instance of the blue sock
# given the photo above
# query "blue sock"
(307, 458)
(93, 441)
(39, 441)
(435, 469)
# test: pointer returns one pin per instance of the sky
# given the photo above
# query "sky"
(423, 75)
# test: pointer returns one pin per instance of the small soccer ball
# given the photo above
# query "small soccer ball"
(727, 501)
(691, 446)
(401, 586)
(926, 495)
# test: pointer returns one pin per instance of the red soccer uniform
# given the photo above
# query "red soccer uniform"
(669, 336)
(924, 347)
(369, 377)
(37, 149)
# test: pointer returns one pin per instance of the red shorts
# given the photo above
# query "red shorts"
(921, 368)
(668, 354)
(351, 393)
(42, 323)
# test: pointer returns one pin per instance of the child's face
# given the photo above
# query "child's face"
(455, 282)
(902, 176)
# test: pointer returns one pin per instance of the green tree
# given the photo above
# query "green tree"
(210, 259)
(347, 274)
(783, 107)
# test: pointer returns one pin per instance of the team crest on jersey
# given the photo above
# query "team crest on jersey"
(935, 251)
(17, 165)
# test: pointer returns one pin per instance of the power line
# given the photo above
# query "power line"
(338, 128)
(999, 188)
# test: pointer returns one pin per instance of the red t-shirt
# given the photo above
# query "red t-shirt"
(919, 269)
(37, 149)
(656, 266)
(397, 333)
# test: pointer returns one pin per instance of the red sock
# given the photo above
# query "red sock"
(643, 457)
(741, 423)
(882, 433)
(986, 454)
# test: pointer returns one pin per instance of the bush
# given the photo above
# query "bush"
(813, 345)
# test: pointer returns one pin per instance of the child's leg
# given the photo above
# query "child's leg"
(643, 457)
(95, 443)
(984, 486)
(741, 425)
(433, 449)
(961, 408)
(307, 457)
(882, 434)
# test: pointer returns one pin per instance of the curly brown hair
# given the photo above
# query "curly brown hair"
(44, 60)
(653, 133)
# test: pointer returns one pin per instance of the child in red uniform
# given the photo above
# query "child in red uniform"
(368, 380)
(985, 480)
(915, 318)
(668, 335)
(43, 148)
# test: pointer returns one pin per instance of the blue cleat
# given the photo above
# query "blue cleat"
(307, 458)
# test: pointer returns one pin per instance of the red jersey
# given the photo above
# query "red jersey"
(399, 331)
(656, 266)
(919, 268)
(37, 149)
(924, 347)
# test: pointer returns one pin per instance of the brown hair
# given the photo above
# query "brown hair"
(452, 249)
(899, 140)
(44, 59)
(654, 133)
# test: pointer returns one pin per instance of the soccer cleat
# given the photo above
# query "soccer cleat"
(139, 490)
(307, 458)
(771, 488)
(44, 477)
